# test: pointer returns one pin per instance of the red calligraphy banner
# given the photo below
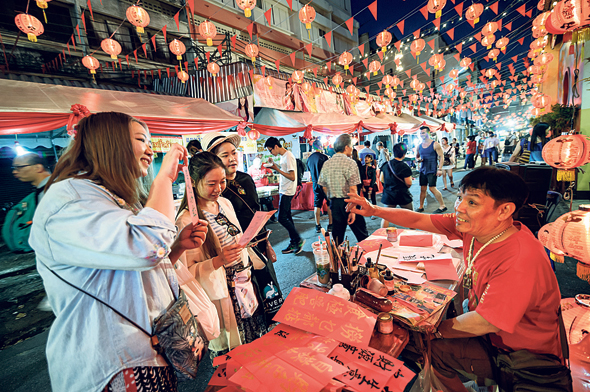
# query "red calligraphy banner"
(327, 315)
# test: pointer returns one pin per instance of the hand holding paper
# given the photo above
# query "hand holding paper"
(259, 220)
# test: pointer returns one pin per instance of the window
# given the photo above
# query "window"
(322, 32)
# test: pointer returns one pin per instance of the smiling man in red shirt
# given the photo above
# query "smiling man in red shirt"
(513, 298)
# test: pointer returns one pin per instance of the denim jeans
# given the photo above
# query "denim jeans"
(469, 161)
(286, 219)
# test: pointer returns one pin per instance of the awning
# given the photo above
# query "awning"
(437, 123)
(27, 107)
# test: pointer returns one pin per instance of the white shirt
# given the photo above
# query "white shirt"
(491, 142)
(286, 186)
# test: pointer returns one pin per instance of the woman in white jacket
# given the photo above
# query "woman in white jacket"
(221, 266)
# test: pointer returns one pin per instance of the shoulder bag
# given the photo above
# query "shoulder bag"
(447, 157)
(367, 181)
(176, 336)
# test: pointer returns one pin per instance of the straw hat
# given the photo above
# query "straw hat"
(213, 139)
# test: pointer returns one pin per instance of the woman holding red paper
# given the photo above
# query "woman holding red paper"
(222, 266)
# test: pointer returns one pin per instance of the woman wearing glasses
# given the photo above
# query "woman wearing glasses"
(96, 230)
(222, 266)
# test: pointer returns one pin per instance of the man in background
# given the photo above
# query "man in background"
(490, 152)
(431, 156)
(315, 162)
(383, 156)
(339, 177)
(287, 189)
(367, 151)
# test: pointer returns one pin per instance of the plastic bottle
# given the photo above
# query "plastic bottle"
(339, 291)
(389, 282)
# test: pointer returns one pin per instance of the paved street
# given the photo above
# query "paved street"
(24, 368)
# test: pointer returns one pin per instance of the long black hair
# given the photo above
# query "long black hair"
(539, 131)
(199, 165)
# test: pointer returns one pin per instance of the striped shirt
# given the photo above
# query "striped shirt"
(338, 174)
(220, 231)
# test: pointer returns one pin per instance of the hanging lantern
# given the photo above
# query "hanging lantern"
(208, 31)
(542, 101)
(268, 82)
(390, 93)
(252, 51)
(493, 54)
(489, 28)
(345, 59)
(307, 15)
(535, 112)
(450, 88)
(473, 12)
(413, 97)
(177, 48)
(213, 68)
(337, 79)
(436, 7)
(568, 236)
(465, 62)
(91, 63)
(567, 152)
(374, 67)
(350, 89)
(453, 73)
(43, 5)
(539, 31)
(435, 102)
(488, 40)
(305, 86)
(111, 47)
(435, 60)
(247, 6)
(441, 64)
(540, 20)
(421, 87)
(253, 134)
(29, 25)
(535, 70)
(417, 46)
(502, 43)
(566, 16)
(541, 5)
(387, 80)
(414, 84)
(539, 43)
(183, 76)
(544, 59)
(297, 76)
(396, 81)
(138, 17)
(383, 39)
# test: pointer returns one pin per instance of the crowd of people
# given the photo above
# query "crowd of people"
(113, 251)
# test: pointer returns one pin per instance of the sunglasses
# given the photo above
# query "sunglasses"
(231, 228)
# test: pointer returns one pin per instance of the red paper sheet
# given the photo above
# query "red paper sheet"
(420, 240)
(440, 269)
(326, 315)
(370, 245)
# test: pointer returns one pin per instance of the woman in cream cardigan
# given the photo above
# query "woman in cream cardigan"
(220, 265)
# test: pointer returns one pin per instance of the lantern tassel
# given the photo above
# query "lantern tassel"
(556, 258)
(247, 12)
(566, 175)
(44, 16)
(180, 63)
(583, 271)
(32, 37)
(438, 14)
(209, 42)
(139, 30)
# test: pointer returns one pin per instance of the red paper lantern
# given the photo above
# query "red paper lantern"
(502, 43)
(421, 87)
(567, 152)
(91, 63)
(465, 62)
(436, 7)
(345, 59)
(305, 86)
(535, 112)
(395, 82)
(544, 59)
(490, 73)
(538, 44)
(253, 134)
(307, 15)
(387, 80)
(567, 15)
(297, 76)
(183, 76)
(29, 25)
(453, 73)
(213, 68)
(247, 6)
(138, 17)
(350, 89)
(252, 51)
(541, 101)
(415, 83)
(337, 79)
(489, 28)
(493, 54)
(177, 48)
(540, 20)
(541, 5)
(383, 39)
(111, 47)
(374, 67)
(534, 70)
(441, 65)
(450, 88)
(473, 12)
(208, 30)
(539, 31)
(413, 97)
(435, 59)
(417, 46)
(390, 93)
(488, 40)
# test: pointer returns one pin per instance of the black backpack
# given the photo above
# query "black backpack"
(300, 171)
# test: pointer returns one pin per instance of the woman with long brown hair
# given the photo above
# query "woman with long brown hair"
(97, 233)
(221, 265)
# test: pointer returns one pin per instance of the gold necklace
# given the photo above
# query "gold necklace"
(467, 277)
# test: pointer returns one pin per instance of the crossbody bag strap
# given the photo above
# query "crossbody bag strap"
(99, 300)
(392, 172)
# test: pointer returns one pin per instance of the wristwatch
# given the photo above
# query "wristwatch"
(438, 335)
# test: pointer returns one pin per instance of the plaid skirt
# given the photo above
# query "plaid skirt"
(144, 379)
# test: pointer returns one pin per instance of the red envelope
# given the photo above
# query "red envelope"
(420, 240)
(370, 245)
(441, 269)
